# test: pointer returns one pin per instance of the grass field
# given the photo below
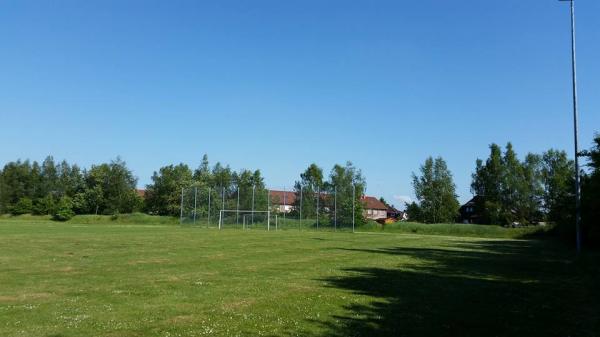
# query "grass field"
(119, 278)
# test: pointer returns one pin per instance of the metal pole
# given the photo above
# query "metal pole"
(208, 225)
(335, 208)
(253, 189)
(222, 197)
(181, 208)
(237, 207)
(195, 198)
(268, 207)
(318, 197)
(575, 131)
(284, 203)
(300, 222)
(353, 204)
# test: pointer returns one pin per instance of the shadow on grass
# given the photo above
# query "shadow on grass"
(484, 288)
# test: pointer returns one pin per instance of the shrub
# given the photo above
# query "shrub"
(64, 210)
(44, 206)
(23, 206)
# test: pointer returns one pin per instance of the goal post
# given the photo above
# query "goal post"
(245, 219)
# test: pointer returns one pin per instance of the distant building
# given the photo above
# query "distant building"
(283, 200)
(373, 208)
(140, 192)
(393, 213)
(469, 212)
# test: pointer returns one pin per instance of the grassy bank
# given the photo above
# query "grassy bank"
(465, 230)
(460, 230)
(125, 219)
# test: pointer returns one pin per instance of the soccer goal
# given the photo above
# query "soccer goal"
(244, 219)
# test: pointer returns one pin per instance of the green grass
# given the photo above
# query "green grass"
(110, 278)
(129, 219)
(469, 230)
(462, 230)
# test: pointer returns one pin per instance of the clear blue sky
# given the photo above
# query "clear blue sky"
(277, 85)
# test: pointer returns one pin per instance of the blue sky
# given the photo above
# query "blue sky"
(277, 85)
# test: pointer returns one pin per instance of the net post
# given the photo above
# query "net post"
(353, 205)
(253, 191)
(181, 208)
(208, 223)
(335, 208)
(237, 207)
(269, 221)
(195, 197)
(318, 199)
(222, 197)
(220, 218)
(300, 215)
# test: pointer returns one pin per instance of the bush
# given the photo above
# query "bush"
(64, 210)
(44, 206)
(23, 206)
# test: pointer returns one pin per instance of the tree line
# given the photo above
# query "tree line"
(341, 192)
(163, 194)
(220, 184)
(62, 189)
(539, 188)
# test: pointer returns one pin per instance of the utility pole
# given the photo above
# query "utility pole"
(575, 130)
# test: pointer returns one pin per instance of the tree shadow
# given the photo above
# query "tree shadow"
(481, 288)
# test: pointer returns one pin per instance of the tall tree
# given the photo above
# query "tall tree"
(533, 190)
(116, 184)
(558, 177)
(16, 183)
(49, 174)
(436, 192)
(488, 182)
(202, 174)
(308, 187)
(163, 195)
(512, 190)
(347, 181)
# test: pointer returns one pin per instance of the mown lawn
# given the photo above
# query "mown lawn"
(115, 279)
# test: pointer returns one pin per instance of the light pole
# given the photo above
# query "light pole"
(575, 132)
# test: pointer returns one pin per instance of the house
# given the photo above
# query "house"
(393, 213)
(140, 193)
(469, 212)
(373, 208)
(283, 200)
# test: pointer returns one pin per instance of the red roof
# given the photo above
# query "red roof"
(281, 197)
(373, 203)
(141, 193)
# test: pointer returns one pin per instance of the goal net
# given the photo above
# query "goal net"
(247, 219)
